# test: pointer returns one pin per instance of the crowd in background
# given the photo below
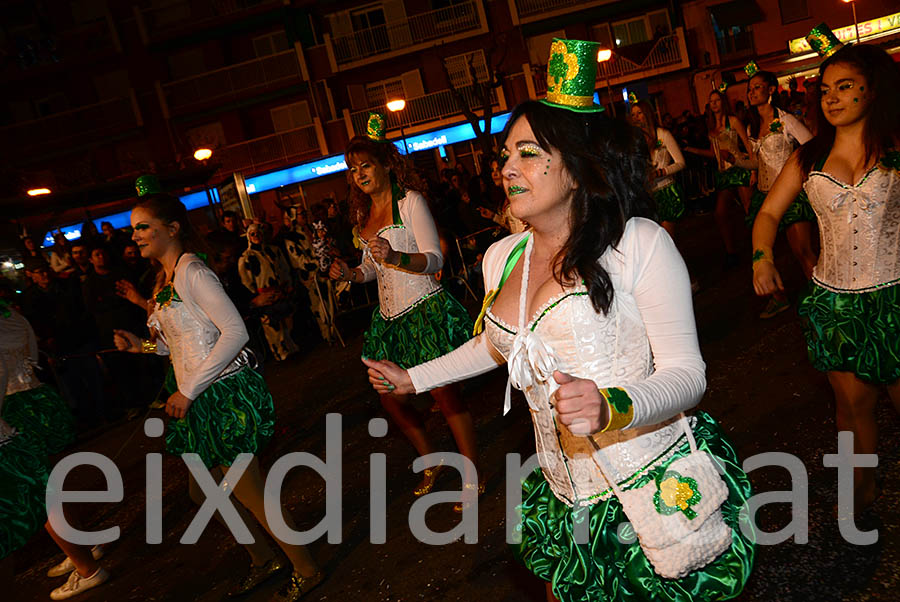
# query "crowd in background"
(275, 272)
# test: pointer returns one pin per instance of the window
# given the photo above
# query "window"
(793, 10)
(603, 34)
(291, 117)
(379, 93)
(271, 43)
(372, 35)
(458, 68)
(641, 29)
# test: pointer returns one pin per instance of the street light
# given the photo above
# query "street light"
(855, 24)
(395, 106)
(202, 154)
(602, 56)
(38, 191)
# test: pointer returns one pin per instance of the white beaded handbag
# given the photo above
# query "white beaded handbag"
(677, 517)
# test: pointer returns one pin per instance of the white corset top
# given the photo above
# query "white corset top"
(399, 290)
(859, 230)
(18, 353)
(569, 335)
(773, 151)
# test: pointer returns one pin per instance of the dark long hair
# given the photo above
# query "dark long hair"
(402, 173)
(169, 210)
(608, 159)
(882, 129)
(726, 110)
(754, 120)
(648, 128)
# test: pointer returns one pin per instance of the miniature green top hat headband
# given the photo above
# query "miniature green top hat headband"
(722, 87)
(147, 184)
(822, 40)
(632, 98)
(751, 68)
(375, 127)
(572, 75)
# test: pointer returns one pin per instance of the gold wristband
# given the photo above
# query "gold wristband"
(621, 410)
(148, 346)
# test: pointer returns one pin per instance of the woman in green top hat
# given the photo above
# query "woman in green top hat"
(850, 171)
(416, 319)
(607, 358)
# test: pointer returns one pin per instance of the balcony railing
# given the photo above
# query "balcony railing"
(233, 80)
(79, 124)
(424, 27)
(423, 109)
(530, 10)
(667, 53)
(269, 151)
(183, 13)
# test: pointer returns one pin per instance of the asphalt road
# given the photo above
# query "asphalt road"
(761, 388)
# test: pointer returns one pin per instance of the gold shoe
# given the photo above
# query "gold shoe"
(467, 489)
(256, 576)
(298, 586)
(428, 481)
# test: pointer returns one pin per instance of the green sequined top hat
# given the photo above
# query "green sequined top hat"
(376, 127)
(823, 41)
(147, 184)
(751, 68)
(571, 76)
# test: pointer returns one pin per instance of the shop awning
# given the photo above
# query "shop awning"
(736, 13)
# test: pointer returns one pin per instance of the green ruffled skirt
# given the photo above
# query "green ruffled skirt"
(23, 485)
(434, 326)
(669, 202)
(43, 414)
(605, 569)
(232, 416)
(854, 332)
(732, 178)
(798, 211)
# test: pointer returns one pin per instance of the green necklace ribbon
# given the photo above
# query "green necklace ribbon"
(511, 262)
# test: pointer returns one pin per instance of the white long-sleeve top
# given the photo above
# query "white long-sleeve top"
(18, 354)
(666, 155)
(773, 149)
(398, 289)
(646, 345)
(203, 332)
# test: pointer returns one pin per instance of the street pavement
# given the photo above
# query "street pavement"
(761, 388)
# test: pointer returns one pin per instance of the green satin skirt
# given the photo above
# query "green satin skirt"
(732, 178)
(232, 416)
(23, 483)
(798, 211)
(669, 202)
(604, 569)
(42, 413)
(853, 332)
(434, 326)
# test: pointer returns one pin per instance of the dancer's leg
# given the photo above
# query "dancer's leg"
(799, 235)
(260, 551)
(856, 401)
(459, 419)
(894, 393)
(249, 491)
(406, 417)
(79, 555)
(550, 596)
(745, 195)
(723, 221)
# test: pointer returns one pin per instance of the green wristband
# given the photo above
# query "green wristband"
(404, 259)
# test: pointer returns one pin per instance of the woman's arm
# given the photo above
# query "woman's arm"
(675, 152)
(795, 129)
(429, 259)
(204, 289)
(784, 191)
(475, 357)
(661, 288)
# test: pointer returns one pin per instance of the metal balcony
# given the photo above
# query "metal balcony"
(667, 53)
(280, 70)
(371, 44)
(268, 152)
(74, 126)
(158, 20)
(424, 109)
(524, 11)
